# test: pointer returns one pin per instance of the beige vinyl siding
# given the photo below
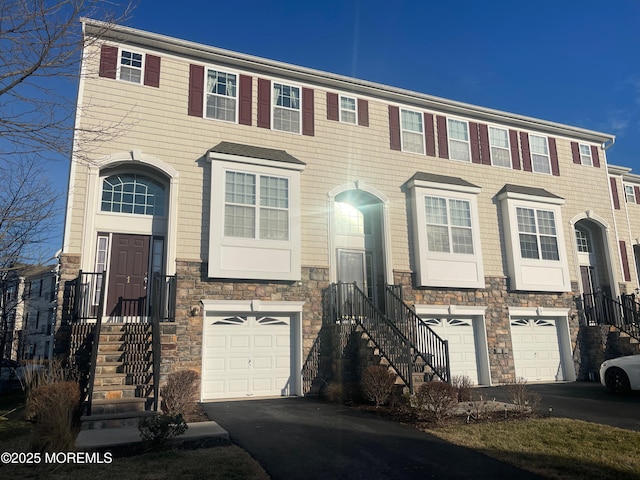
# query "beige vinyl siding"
(155, 120)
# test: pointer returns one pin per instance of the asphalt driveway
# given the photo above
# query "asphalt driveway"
(302, 438)
(588, 401)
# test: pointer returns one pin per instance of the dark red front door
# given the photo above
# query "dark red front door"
(128, 275)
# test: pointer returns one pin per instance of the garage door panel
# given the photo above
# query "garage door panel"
(536, 349)
(459, 333)
(247, 356)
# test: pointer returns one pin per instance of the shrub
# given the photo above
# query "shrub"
(334, 392)
(463, 385)
(377, 383)
(524, 400)
(55, 410)
(179, 394)
(158, 429)
(435, 401)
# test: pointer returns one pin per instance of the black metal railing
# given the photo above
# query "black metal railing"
(88, 296)
(350, 305)
(100, 283)
(600, 309)
(426, 343)
(162, 305)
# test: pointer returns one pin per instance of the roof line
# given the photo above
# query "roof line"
(123, 33)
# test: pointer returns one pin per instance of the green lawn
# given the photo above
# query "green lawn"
(556, 448)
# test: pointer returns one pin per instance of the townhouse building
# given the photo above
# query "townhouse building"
(231, 198)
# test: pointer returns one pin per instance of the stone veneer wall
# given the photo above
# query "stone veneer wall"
(69, 268)
(497, 299)
(182, 340)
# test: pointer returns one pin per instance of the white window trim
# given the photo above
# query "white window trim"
(629, 197)
(462, 270)
(142, 65)
(274, 106)
(253, 258)
(206, 94)
(508, 148)
(583, 155)
(530, 274)
(402, 130)
(548, 154)
(340, 97)
(468, 142)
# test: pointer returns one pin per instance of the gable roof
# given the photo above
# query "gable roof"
(251, 151)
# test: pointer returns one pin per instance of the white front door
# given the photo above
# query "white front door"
(247, 355)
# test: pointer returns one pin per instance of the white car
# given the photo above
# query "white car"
(621, 374)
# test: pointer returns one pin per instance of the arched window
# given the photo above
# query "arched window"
(131, 193)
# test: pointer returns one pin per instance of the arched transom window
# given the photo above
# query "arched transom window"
(131, 193)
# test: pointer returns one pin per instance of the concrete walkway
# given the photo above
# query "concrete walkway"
(112, 437)
(306, 438)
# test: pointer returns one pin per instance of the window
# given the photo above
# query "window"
(286, 108)
(254, 229)
(585, 155)
(243, 210)
(412, 131)
(130, 66)
(448, 225)
(446, 232)
(458, 140)
(221, 95)
(131, 193)
(348, 110)
(540, 160)
(349, 220)
(534, 239)
(583, 241)
(499, 144)
(537, 230)
(101, 265)
(629, 194)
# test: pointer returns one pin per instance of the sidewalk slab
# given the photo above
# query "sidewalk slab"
(112, 437)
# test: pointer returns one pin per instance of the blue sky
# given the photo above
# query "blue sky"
(572, 62)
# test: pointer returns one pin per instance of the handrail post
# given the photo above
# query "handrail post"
(446, 352)
(156, 344)
(95, 345)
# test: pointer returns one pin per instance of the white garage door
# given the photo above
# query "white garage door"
(536, 349)
(462, 346)
(246, 356)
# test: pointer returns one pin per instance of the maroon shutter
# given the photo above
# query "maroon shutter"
(636, 191)
(308, 109)
(526, 153)
(363, 113)
(152, 71)
(553, 154)
(625, 261)
(332, 106)
(575, 152)
(264, 103)
(614, 193)
(108, 61)
(485, 154)
(430, 135)
(196, 90)
(595, 157)
(515, 151)
(443, 143)
(475, 142)
(394, 127)
(245, 96)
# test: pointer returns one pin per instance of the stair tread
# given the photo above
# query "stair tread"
(108, 388)
(116, 416)
(117, 401)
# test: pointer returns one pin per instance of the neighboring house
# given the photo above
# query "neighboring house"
(247, 187)
(31, 305)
